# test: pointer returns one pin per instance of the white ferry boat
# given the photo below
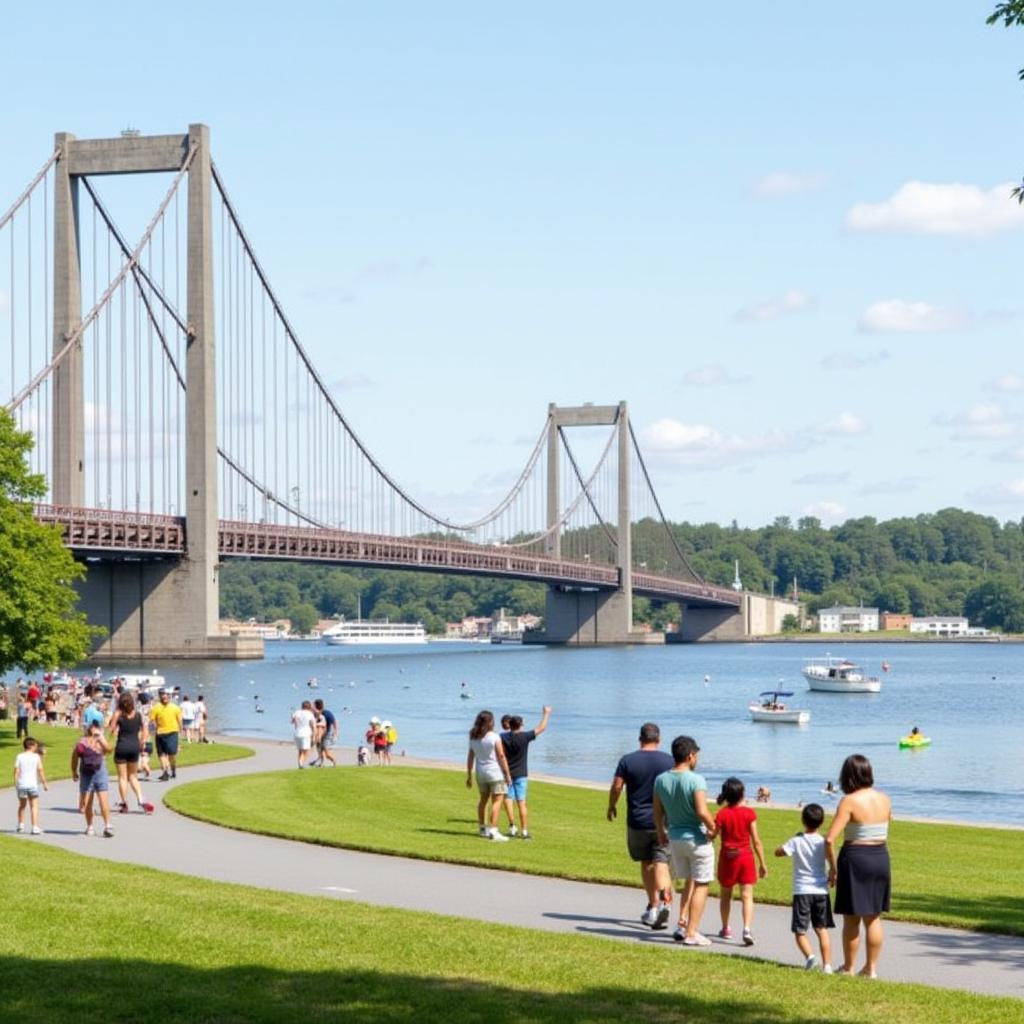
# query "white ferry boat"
(835, 675)
(367, 631)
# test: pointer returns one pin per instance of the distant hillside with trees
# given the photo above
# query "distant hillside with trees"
(949, 562)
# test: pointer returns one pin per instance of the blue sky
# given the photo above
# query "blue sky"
(744, 222)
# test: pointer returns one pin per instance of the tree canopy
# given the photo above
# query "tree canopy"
(40, 627)
(1010, 13)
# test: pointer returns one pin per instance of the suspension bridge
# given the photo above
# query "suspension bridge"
(166, 454)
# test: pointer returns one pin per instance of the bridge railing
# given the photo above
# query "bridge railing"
(667, 586)
(108, 530)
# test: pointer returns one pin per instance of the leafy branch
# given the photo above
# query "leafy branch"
(1010, 13)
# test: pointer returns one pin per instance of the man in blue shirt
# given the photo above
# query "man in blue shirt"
(636, 773)
(93, 713)
(682, 819)
(325, 736)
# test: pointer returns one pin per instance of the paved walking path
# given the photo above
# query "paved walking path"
(943, 957)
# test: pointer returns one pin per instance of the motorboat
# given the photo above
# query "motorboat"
(769, 708)
(838, 675)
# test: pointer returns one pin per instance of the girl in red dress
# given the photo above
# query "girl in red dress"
(737, 828)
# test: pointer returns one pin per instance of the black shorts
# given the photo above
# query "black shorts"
(167, 744)
(643, 846)
(126, 755)
(812, 910)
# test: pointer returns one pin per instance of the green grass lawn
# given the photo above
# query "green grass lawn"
(185, 951)
(429, 813)
(60, 741)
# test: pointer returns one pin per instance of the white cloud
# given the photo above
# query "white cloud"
(1009, 493)
(853, 360)
(787, 183)
(698, 444)
(821, 479)
(1008, 382)
(844, 423)
(922, 208)
(826, 511)
(983, 421)
(898, 486)
(352, 381)
(1010, 455)
(900, 316)
(793, 301)
(710, 376)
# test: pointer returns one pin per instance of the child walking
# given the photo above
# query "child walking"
(28, 774)
(737, 827)
(811, 905)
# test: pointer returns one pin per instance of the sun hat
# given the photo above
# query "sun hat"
(375, 720)
(387, 725)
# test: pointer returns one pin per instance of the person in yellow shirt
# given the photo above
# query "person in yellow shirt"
(166, 716)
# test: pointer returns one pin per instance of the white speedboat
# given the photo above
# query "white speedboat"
(769, 708)
(835, 675)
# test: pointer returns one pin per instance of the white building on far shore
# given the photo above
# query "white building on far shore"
(940, 625)
(842, 619)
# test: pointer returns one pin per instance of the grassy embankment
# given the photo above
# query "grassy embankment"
(60, 740)
(429, 813)
(191, 950)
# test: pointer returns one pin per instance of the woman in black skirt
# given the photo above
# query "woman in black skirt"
(861, 873)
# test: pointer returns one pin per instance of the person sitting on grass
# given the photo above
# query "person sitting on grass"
(811, 905)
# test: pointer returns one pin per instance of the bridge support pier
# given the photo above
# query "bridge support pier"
(757, 615)
(589, 618)
(145, 607)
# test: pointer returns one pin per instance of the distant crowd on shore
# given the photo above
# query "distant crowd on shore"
(120, 723)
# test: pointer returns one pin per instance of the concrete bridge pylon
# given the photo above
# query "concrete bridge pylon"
(153, 608)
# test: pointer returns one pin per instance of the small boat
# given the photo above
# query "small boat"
(770, 709)
(835, 675)
(914, 740)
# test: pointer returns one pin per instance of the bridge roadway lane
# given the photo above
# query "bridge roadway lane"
(947, 958)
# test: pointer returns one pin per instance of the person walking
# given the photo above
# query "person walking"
(166, 715)
(862, 873)
(89, 770)
(327, 734)
(200, 722)
(303, 724)
(28, 775)
(188, 718)
(517, 746)
(635, 773)
(682, 818)
(487, 752)
(130, 733)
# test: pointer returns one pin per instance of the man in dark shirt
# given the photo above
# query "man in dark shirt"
(636, 773)
(325, 737)
(517, 746)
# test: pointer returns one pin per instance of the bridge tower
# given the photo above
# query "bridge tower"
(590, 615)
(150, 608)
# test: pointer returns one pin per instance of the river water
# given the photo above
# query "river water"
(967, 697)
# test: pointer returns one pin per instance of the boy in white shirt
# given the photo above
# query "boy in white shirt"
(28, 774)
(811, 904)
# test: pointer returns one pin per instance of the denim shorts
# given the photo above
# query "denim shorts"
(28, 793)
(517, 788)
(94, 782)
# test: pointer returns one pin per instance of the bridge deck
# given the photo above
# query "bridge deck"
(103, 533)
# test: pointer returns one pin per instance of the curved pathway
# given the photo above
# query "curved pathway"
(948, 958)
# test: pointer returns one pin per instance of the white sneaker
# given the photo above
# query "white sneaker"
(649, 917)
(21, 827)
(484, 832)
(512, 831)
(36, 830)
(496, 836)
(90, 831)
(827, 969)
(810, 963)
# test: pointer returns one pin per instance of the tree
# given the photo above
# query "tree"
(790, 624)
(39, 624)
(1010, 13)
(997, 603)
(303, 617)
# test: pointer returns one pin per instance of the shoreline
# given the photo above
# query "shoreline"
(406, 761)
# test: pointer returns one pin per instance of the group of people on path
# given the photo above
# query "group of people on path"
(670, 832)
(315, 730)
(126, 734)
(502, 772)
